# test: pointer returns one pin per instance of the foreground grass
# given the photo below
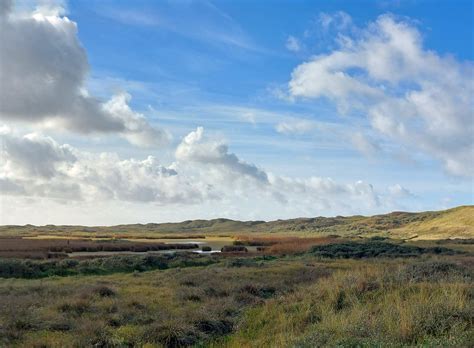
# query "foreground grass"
(175, 307)
(297, 300)
(306, 293)
(422, 304)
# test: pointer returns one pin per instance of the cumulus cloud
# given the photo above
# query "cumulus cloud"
(326, 194)
(5, 7)
(139, 131)
(43, 68)
(37, 166)
(33, 155)
(233, 178)
(205, 172)
(194, 148)
(410, 94)
(399, 191)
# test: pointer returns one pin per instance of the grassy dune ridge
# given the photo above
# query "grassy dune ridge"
(452, 223)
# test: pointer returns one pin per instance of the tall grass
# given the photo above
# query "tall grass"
(284, 245)
(169, 308)
(367, 306)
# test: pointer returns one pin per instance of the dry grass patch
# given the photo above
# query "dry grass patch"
(278, 245)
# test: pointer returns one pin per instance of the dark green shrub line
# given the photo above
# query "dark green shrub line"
(375, 248)
(16, 268)
(234, 248)
(468, 241)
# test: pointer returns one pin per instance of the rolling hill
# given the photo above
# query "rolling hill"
(452, 223)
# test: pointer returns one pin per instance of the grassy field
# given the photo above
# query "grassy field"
(280, 290)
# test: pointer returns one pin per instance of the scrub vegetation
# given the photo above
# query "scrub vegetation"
(261, 290)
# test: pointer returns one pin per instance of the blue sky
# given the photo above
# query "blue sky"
(263, 80)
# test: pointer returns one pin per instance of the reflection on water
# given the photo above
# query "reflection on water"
(206, 252)
(215, 243)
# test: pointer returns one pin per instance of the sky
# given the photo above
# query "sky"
(142, 111)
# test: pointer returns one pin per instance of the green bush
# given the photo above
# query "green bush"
(234, 248)
(359, 250)
(16, 268)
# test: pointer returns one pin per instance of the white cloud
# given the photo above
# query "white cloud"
(233, 178)
(194, 148)
(43, 68)
(412, 95)
(398, 191)
(293, 44)
(34, 156)
(205, 173)
(139, 131)
(37, 166)
(326, 194)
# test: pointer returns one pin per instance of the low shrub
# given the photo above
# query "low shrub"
(214, 327)
(375, 238)
(76, 308)
(104, 291)
(234, 249)
(369, 249)
(258, 291)
(16, 268)
(171, 335)
(436, 271)
(213, 292)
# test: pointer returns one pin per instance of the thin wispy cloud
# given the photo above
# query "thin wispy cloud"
(215, 28)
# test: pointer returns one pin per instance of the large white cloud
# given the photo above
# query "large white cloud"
(37, 166)
(412, 95)
(213, 154)
(43, 68)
